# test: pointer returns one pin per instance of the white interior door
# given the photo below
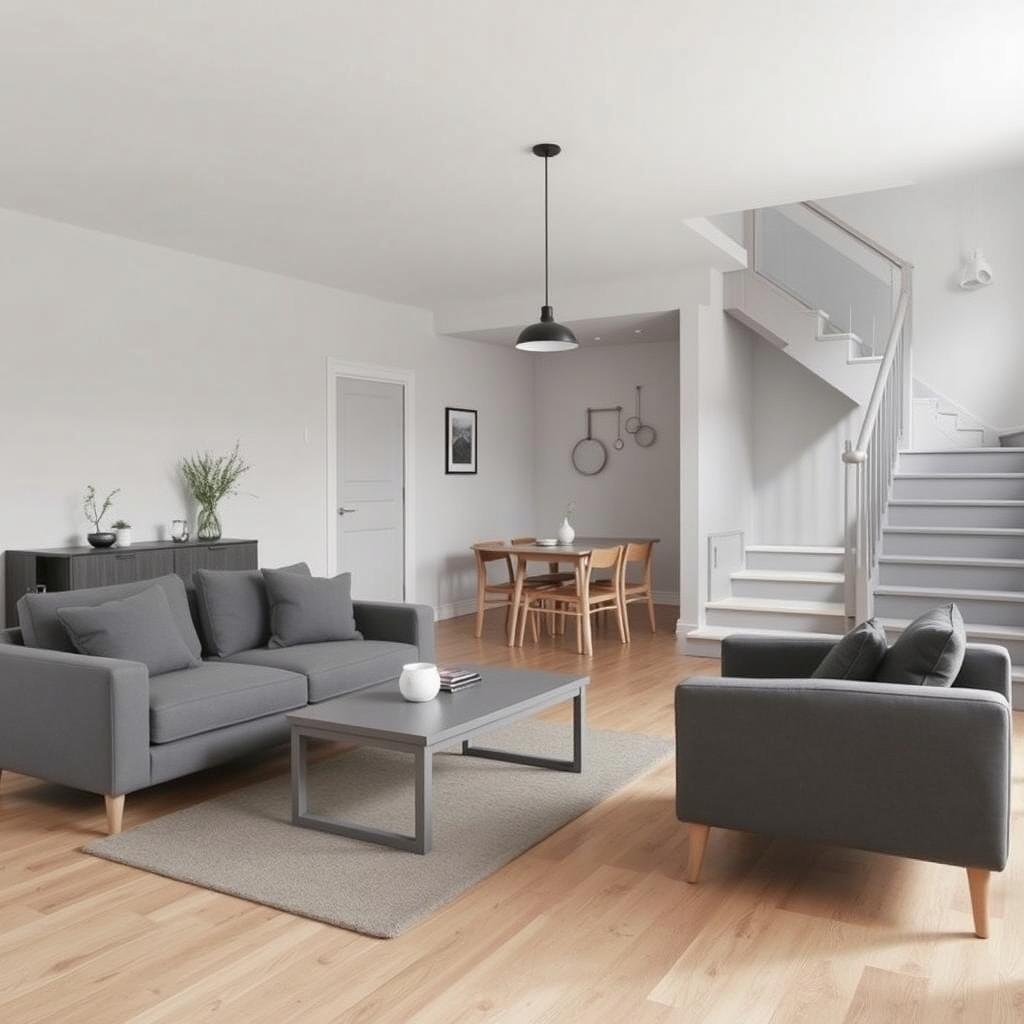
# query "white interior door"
(370, 490)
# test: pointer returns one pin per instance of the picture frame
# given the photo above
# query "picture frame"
(460, 441)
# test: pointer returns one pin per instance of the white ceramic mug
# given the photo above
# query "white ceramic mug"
(419, 681)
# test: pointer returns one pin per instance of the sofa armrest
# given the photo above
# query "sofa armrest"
(399, 623)
(76, 720)
(915, 771)
(768, 657)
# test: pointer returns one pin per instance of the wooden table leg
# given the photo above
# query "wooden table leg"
(517, 595)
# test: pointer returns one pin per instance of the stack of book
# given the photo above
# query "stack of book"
(453, 679)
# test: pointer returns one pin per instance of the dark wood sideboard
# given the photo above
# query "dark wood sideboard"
(76, 568)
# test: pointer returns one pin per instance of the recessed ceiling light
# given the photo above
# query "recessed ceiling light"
(597, 337)
(638, 331)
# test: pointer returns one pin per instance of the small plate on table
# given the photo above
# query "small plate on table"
(546, 542)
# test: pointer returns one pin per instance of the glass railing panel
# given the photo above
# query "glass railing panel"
(825, 268)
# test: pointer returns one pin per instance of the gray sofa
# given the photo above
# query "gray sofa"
(915, 771)
(103, 725)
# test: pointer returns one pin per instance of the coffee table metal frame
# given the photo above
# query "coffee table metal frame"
(422, 751)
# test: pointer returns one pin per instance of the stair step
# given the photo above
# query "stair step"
(981, 542)
(742, 613)
(781, 584)
(707, 640)
(949, 460)
(979, 486)
(785, 576)
(789, 558)
(995, 607)
(956, 512)
(960, 573)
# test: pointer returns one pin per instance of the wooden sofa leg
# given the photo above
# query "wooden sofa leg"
(115, 813)
(698, 844)
(978, 879)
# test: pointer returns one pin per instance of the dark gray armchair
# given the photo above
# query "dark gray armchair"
(914, 771)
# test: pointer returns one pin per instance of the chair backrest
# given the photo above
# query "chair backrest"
(642, 553)
(483, 557)
(605, 558)
(523, 540)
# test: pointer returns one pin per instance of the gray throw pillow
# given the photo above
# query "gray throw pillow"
(856, 656)
(136, 628)
(929, 652)
(233, 608)
(309, 609)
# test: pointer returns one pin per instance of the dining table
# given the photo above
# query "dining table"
(554, 555)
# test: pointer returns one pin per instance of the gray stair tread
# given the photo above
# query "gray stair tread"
(961, 502)
(973, 631)
(768, 604)
(793, 549)
(959, 476)
(721, 632)
(998, 449)
(995, 531)
(981, 563)
(787, 576)
(952, 593)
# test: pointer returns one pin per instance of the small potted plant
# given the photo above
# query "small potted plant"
(210, 479)
(95, 512)
(123, 531)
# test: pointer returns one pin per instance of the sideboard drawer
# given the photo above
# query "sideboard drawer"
(213, 556)
(119, 566)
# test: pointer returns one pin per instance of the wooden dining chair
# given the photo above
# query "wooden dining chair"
(639, 589)
(580, 600)
(495, 593)
(552, 575)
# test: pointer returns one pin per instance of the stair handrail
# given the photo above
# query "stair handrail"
(871, 463)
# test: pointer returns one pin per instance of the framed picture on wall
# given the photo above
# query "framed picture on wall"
(460, 440)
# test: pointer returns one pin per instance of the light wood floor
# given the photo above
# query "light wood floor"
(594, 924)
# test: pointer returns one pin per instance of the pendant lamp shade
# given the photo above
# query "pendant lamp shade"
(546, 335)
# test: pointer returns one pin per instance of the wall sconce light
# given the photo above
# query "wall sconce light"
(977, 272)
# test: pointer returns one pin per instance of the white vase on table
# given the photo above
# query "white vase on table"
(419, 681)
(566, 534)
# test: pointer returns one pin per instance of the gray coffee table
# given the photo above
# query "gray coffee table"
(380, 717)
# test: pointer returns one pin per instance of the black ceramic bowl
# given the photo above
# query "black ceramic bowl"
(101, 540)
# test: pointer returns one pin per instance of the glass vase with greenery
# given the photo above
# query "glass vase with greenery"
(210, 479)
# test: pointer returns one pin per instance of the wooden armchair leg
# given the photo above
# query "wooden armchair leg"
(698, 844)
(978, 879)
(115, 813)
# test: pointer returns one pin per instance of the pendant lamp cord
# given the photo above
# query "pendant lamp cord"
(546, 302)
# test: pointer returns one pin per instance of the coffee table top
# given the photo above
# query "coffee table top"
(382, 712)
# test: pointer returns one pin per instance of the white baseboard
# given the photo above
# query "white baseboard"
(467, 605)
(682, 628)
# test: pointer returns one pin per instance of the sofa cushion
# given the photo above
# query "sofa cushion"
(856, 656)
(309, 610)
(136, 628)
(233, 608)
(929, 652)
(215, 694)
(40, 627)
(336, 668)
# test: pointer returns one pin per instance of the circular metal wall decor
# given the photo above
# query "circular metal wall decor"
(643, 433)
(589, 455)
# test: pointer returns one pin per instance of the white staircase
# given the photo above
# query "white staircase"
(955, 532)
(781, 591)
(806, 334)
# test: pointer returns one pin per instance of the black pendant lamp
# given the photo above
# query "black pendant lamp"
(546, 335)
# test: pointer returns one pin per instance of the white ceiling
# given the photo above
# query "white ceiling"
(381, 145)
(631, 329)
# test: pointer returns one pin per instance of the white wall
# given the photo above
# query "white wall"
(717, 434)
(801, 426)
(117, 358)
(967, 345)
(638, 491)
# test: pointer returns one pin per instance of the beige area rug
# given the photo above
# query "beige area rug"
(486, 813)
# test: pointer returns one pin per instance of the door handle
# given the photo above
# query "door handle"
(344, 511)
